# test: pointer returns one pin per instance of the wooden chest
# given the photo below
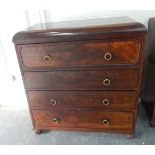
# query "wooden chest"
(82, 75)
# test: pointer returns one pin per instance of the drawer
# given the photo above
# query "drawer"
(114, 100)
(82, 80)
(83, 119)
(80, 53)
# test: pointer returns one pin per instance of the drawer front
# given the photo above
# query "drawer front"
(82, 80)
(81, 53)
(83, 119)
(115, 100)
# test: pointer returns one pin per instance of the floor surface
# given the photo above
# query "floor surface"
(16, 128)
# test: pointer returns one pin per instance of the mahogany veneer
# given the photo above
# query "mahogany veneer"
(83, 75)
(82, 80)
(120, 100)
(81, 53)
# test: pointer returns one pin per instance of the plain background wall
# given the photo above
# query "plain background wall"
(71, 13)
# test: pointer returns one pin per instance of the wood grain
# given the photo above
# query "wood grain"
(83, 119)
(120, 100)
(82, 80)
(81, 53)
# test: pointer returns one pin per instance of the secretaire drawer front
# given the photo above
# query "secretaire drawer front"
(80, 53)
(82, 99)
(83, 119)
(82, 80)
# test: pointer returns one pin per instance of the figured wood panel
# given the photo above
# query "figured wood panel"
(117, 100)
(83, 119)
(81, 53)
(82, 80)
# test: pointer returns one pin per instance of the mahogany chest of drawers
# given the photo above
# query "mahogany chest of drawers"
(82, 75)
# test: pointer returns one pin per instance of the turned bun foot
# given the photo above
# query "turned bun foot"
(130, 136)
(38, 132)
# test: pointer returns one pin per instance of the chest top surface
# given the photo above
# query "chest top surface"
(99, 28)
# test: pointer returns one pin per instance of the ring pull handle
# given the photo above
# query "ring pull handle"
(106, 102)
(106, 82)
(107, 56)
(53, 101)
(55, 120)
(106, 122)
(47, 58)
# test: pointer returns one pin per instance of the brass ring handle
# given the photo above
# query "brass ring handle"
(106, 101)
(108, 56)
(47, 58)
(105, 121)
(53, 101)
(55, 120)
(106, 82)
